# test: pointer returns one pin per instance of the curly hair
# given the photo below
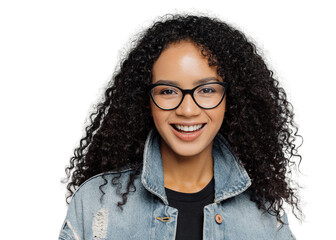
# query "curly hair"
(258, 123)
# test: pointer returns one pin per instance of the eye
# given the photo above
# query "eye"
(207, 90)
(167, 92)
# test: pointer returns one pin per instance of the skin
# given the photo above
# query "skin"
(187, 165)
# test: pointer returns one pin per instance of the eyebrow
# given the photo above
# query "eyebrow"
(200, 81)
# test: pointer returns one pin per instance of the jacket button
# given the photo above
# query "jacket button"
(219, 218)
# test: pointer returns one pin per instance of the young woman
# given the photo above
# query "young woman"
(193, 136)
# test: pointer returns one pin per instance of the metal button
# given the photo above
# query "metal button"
(219, 218)
(163, 219)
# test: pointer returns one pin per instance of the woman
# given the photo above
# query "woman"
(194, 131)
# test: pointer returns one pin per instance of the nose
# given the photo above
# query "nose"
(188, 107)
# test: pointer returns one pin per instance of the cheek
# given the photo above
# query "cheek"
(222, 109)
(217, 115)
(152, 108)
(157, 114)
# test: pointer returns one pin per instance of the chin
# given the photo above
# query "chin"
(185, 153)
(187, 150)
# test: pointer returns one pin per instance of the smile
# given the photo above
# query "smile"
(187, 133)
(186, 129)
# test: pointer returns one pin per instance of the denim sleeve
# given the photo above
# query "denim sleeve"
(283, 231)
(72, 227)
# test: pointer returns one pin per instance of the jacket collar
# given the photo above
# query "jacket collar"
(230, 176)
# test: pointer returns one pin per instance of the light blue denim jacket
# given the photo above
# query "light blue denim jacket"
(147, 214)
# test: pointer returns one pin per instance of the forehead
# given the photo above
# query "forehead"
(182, 63)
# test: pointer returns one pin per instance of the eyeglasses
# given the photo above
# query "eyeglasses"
(206, 96)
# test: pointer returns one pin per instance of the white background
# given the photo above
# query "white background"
(56, 57)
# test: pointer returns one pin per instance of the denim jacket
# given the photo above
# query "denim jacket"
(147, 214)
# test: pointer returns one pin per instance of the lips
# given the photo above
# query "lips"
(187, 135)
(187, 123)
(188, 128)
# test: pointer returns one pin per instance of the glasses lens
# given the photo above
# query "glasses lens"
(209, 95)
(166, 97)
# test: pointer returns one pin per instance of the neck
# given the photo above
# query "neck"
(186, 173)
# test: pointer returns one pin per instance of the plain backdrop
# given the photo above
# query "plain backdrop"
(56, 57)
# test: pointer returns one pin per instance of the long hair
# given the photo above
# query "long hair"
(258, 122)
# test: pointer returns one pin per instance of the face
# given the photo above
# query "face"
(183, 64)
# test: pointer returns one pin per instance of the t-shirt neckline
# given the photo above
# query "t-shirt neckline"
(191, 197)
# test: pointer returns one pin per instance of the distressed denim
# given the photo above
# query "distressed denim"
(147, 214)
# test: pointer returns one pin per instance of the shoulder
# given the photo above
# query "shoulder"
(92, 185)
(86, 202)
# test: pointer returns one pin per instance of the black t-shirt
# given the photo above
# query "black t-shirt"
(190, 211)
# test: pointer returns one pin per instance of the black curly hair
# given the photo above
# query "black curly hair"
(258, 121)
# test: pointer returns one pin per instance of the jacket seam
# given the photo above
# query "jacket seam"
(64, 236)
(152, 220)
(100, 174)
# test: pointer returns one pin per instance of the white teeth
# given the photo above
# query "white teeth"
(188, 128)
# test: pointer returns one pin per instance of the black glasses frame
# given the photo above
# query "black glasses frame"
(188, 91)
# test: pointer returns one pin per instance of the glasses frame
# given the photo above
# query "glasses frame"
(188, 91)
